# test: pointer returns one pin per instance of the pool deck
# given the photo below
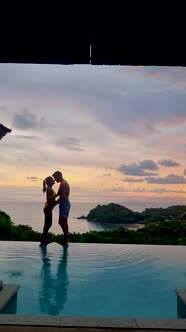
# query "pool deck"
(72, 324)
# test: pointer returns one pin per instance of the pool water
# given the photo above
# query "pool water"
(102, 280)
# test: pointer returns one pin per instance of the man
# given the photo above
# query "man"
(64, 204)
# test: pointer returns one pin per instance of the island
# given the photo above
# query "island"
(116, 213)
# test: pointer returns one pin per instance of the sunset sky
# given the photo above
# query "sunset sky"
(117, 133)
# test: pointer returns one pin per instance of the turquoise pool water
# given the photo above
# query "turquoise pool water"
(103, 280)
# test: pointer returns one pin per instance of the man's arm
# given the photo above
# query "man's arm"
(60, 193)
(57, 201)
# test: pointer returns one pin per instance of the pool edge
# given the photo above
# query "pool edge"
(92, 322)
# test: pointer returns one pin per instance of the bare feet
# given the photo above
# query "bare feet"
(44, 243)
(63, 242)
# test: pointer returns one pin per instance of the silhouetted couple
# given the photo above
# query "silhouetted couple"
(51, 201)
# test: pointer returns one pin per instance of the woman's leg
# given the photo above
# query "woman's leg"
(47, 224)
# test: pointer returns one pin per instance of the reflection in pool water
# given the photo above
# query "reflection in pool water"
(54, 290)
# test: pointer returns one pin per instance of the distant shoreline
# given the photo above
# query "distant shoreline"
(132, 226)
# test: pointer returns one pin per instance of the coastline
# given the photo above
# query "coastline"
(133, 226)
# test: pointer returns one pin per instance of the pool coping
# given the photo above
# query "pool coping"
(92, 322)
(181, 302)
(8, 296)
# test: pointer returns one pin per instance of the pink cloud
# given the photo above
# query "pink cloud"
(174, 77)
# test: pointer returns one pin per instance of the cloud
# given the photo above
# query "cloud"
(76, 87)
(14, 145)
(70, 143)
(163, 190)
(107, 174)
(155, 90)
(143, 190)
(168, 163)
(28, 137)
(139, 169)
(173, 77)
(42, 123)
(150, 113)
(61, 86)
(137, 190)
(2, 108)
(71, 140)
(169, 179)
(88, 105)
(32, 178)
(120, 93)
(28, 120)
(119, 190)
(184, 171)
(132, 180)
(148, 164)
(25, 120)
(73, 148)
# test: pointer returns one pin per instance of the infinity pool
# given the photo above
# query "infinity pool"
(102, 280)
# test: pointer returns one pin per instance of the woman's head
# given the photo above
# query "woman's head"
(49, 181)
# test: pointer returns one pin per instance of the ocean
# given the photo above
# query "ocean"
(31, 214)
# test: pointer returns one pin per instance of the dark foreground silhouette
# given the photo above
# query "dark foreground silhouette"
(171, 232)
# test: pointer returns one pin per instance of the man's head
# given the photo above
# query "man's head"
(58, 177)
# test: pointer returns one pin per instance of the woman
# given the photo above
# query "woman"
(48, 207)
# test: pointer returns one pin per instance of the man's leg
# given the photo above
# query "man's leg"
(64, 209)
(63, 222)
